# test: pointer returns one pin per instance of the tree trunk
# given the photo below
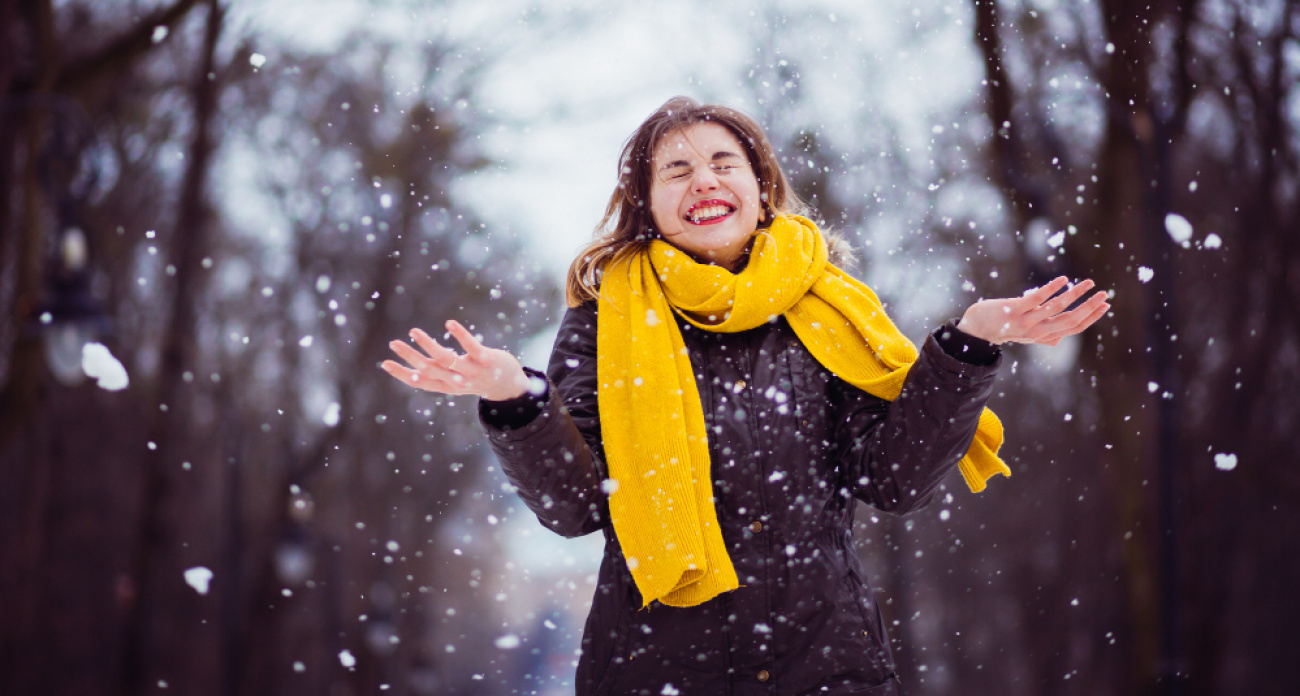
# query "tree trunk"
(157, 564)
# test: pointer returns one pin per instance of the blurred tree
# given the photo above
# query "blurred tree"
(1152, 148)
(1112, 118)
(259, 227)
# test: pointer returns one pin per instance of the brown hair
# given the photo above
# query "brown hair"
(628, 226)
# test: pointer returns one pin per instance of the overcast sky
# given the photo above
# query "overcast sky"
(569, 86)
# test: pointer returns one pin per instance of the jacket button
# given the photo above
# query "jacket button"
(740, 385)
(756, 526)
(764, 675)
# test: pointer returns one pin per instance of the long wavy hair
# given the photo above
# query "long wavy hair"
(628, 227)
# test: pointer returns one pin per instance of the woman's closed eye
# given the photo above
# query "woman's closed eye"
(682, 174)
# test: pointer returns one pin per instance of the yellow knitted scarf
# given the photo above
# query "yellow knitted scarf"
(652, 420)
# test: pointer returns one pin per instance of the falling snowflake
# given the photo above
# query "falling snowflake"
(199, 578)
(1179, 229)
(99, 364)
(346, 659)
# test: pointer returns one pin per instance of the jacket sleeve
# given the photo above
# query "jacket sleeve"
(555, 460)
(896, 453)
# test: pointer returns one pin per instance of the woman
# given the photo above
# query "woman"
(718, 399)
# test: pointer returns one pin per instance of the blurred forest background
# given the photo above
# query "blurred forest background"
(245, 221)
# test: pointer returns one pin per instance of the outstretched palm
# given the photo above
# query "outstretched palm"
(487, 372)
(1037, 316)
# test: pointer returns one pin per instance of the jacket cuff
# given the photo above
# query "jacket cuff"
(516, 413)
(965, 347)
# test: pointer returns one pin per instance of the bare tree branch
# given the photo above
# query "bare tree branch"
(123, 50)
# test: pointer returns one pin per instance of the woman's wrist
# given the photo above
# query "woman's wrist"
(966, 347)
(967, 327)
(513, 388)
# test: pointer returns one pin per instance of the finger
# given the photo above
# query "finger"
(1080, 323)
(401, 372)
(1061, 302)
(441, 354)
(1039, 295)
(413, 357)
(1050, 319)
(464, 338)
(1085, 309)
(421, 380)
(1092, 318)
(428, 369)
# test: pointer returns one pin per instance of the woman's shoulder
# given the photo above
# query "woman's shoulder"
(578, 327)
(584, 311)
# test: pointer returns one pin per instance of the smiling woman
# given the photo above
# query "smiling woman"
(704, 197)
(719, 398)
(674, 159)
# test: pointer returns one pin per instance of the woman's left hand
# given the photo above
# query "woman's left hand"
(1036, 317)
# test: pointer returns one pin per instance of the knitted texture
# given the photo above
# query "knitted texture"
(652, 420)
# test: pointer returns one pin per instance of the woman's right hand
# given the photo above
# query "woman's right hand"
(490, 373)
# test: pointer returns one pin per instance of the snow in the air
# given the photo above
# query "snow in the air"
(198, 577)
(347, 659)
(1179, 229)
(1225, 461)
(99, 364)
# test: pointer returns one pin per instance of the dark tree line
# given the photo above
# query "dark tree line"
(257, 438)
(257, 230)
(1140, 547)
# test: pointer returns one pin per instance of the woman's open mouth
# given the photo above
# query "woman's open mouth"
(709, 212)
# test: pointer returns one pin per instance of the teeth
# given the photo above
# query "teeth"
(709, 212)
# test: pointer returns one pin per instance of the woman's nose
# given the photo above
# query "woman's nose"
(705, 180)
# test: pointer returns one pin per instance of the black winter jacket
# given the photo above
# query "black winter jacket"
(793, 449)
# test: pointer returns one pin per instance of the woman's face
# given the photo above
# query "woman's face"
(704, 195)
